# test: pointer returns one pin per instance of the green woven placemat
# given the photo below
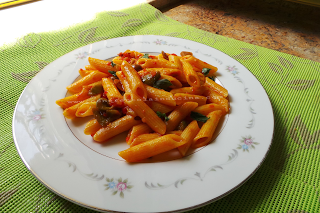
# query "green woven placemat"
(288, 180)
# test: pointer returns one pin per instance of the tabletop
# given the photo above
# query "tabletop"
(283, 26)
(278, 41)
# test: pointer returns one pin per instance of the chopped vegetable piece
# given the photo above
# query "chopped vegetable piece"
(113, 64)
(162, 115)
(182, 125)
(157, 76)
(103, 104)
(104, 117)
(150, 79)
(165, 56)
(205, 71)
(145, 55)
(113, 73)
(162, 84)
(95, 90)
(198, 117)
(137, 67)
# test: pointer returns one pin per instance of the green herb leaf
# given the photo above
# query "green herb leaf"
(162, 84)
(205, 71)
(113, 73)
(113, 64)
(162, 115)
(212, 78)
(145, 56)
(198, 117)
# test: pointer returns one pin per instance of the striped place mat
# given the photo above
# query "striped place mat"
(288, 180)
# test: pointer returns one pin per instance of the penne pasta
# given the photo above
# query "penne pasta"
(89, 67)
(124, 82)
(196, 69)
(147, 115)
(118, 84)
(208, 128)
(206, 109)
(183, 98)
(143, 138)
(129, 54)
(94, 76)
(70, 112)
(92, 127)
(176, 132)
(190, 75)
(179, 114)
(134, 80)
(136, 131)
(202, 78)
(182, 78)
(85, 109)
(212, 85)
(163, 71)
(175, 82)
(156, 63)
(84, 72)
(128, 111)
(115, 128)
(103, 66)
(184, 53)
(112, 92)
(163, 56)
(189, 133)
(189, 90)
(211, 73)
(160, 96)
(97, 83)
(175, 60)
(117, 60)
(158, 107)
(198, 63)
(74, 99)
(151, 148)
(216, 98)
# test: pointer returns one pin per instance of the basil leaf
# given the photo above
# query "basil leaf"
(198, 117)
(162, 84)
(162, 115)
(145, 56)
(205, 71)
(113, 73)
(113, 64)
(212, 78)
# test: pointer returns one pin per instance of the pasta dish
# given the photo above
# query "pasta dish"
(164, 101)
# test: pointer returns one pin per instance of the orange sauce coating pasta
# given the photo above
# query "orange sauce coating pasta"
(149, 96)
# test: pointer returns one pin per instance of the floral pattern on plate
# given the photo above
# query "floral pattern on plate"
(247, 143)
(118, 186)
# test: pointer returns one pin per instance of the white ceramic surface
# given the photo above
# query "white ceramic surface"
(92, 175)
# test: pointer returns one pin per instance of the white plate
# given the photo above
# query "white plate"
(92, 175)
